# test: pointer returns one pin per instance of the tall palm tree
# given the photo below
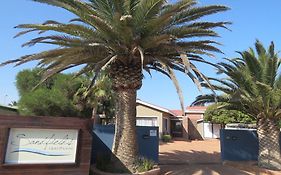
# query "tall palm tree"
(253, 85)
(127, 37)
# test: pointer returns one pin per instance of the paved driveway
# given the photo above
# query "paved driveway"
(198, 158)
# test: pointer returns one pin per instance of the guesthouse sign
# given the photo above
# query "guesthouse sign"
(41, 146)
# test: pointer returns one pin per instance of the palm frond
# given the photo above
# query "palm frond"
(177, 86)
(70, 29)
(149, 34)
(196, 13)
(252, 84)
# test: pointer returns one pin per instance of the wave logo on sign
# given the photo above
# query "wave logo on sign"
(39, 152)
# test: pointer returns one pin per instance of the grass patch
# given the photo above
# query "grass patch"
(144, 164)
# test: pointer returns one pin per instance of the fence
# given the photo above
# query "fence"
(147, 138)
(239, 145)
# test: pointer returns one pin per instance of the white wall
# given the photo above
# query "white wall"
(211, 130)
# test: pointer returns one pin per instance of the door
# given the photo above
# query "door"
(208, 130)
(211, 130)
(216, 133)
(176, 128)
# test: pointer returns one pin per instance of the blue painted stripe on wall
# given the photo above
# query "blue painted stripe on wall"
(39, 152)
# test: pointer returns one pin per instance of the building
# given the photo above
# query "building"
(152, 115)
(5, 110)
(178, 127)
(189, 126)
(197, 128)
(195, 115)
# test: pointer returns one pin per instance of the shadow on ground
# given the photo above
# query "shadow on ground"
(165, 143)
(187, 157)
(197, 163)
(174, 140)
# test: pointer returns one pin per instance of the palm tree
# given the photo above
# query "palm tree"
(100, 97)
(126, 37)
(253, 86)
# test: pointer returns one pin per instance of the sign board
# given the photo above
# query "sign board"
(41, 146)
(153, 133)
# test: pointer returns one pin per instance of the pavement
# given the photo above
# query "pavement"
(201, 158)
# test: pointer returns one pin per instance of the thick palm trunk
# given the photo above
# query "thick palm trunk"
(269, 147)
(125, 140)
(126, 80)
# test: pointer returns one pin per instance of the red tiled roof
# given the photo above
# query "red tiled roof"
(176, 112)
(196, 108)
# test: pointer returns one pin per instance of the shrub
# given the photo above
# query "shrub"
(144, 164)
(166, 138)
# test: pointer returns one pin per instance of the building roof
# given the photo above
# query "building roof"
(176, 112)
(155, 107)
(9, 108)
(196, 109)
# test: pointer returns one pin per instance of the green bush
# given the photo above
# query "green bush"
(166, 138)
(144, 164)
(215, 113)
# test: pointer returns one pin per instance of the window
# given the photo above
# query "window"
(147, 121)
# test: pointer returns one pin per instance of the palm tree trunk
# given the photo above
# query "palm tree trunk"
(95, 118)
(126, 80)
(125, 140)
(269, 147)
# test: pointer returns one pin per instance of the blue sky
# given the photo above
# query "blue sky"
(251, 20)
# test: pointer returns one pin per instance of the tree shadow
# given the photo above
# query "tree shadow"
(165, 143)
(189, 157)
(199, 163)
(173, 140)
(104, 159)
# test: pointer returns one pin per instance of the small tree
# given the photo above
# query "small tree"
(52, 98)
(223, 116)
(100, 98)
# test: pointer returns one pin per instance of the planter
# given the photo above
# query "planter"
(95, 171)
